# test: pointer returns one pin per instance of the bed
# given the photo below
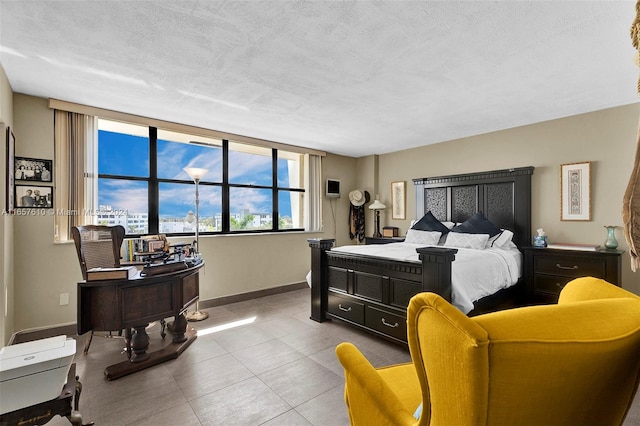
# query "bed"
(371, 290)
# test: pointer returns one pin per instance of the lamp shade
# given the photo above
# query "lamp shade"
(195, 173)
(377, 204)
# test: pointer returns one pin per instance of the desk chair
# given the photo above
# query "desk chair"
(574, 363)
(97, 246)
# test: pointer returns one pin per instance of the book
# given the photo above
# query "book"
(569, 246)
(120, 273)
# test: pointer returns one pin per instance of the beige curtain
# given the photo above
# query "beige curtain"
(313, 216)
(76, 183)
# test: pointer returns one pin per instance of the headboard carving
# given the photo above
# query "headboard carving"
(503, 196)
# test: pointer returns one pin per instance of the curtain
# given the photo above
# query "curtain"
(76, 163)
(313, 218)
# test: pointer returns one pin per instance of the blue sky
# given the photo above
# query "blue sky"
(120, 154)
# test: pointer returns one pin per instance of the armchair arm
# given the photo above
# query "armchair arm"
(590, 288)
(370, 394)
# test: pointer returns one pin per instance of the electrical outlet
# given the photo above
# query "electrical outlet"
(64, 299)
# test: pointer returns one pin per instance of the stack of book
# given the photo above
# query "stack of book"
(570, 246)
(120, 273)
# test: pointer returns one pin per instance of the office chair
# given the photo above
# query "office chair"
(97, 246)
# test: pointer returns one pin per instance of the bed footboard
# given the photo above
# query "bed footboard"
(373, 293)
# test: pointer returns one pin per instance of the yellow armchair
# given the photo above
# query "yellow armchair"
(574, 363)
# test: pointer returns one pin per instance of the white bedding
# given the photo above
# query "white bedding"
(474, 273)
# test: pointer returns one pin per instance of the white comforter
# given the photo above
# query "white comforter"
(474, 273)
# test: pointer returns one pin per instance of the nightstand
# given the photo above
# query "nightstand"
(546, 271)
(382, 240)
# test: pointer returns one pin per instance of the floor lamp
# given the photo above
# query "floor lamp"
(196, 174)
(376, 206)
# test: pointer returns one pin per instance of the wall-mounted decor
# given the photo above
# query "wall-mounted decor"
(34, 169)
(575, 191)
(34, 197)
(398, 200)
(11, 152)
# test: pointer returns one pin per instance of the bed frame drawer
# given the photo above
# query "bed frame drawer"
(346, 308)
(386, 323)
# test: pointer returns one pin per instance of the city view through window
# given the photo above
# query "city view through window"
(134, 188)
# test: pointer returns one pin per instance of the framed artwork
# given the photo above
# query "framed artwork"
(34, 197)
(33, 169)
(575, 191)
(398, 200)
(10, 155)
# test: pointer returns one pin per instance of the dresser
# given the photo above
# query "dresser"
(547, 271)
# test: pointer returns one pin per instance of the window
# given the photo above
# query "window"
(142, 184)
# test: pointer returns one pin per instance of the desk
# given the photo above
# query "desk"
(133, 304)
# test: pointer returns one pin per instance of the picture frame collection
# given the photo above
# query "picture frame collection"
(29, 180)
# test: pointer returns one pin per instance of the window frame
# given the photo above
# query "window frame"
(153, 188)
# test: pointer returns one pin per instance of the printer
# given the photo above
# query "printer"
(34, 372)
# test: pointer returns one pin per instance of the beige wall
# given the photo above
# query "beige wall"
(6, 221)
(235, 264)
(605, 138)
(243, 263)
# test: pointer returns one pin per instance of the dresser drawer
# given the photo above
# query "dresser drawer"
(386, 322)
(346, 308)
(550, 284)
(569, 267)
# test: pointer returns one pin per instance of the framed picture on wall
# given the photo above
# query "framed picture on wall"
(398, 200)
(34, 197)
(10, 155)
(34, 169)
(575, 191)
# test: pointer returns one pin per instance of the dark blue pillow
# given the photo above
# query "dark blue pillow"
(477, 224)
(430, 223)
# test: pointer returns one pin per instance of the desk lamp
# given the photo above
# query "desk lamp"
(196, 174)
(376, 206)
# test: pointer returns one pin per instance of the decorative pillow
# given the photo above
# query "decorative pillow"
(477, 224)
(449, 225)
(461, 240)
(428, 222)
(500, 240)
(429, 238)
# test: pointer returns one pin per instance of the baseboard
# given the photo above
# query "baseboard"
(71, 328)
(225, 300)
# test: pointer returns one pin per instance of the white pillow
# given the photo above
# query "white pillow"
(463, 240)
(449, 225)
(501, 240)
(429, 238)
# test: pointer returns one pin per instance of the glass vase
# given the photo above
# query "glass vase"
(611, 243)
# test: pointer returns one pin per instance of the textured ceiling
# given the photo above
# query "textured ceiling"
(353, 78)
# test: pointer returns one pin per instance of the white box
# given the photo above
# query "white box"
(34, 372)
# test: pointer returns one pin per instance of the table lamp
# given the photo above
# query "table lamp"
(196, 174)
(376, 206)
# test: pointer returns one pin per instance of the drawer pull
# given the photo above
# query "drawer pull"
(344, 309)
(560, 285)
(389, 324)
(570, 268)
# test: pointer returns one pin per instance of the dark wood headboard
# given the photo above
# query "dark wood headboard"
(503, 196)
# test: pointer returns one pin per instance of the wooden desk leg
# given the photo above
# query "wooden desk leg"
(179, 328)
(140, 344)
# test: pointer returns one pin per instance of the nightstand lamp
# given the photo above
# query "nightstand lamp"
(376, 206)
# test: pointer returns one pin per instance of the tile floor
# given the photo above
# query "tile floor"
(279, 370)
